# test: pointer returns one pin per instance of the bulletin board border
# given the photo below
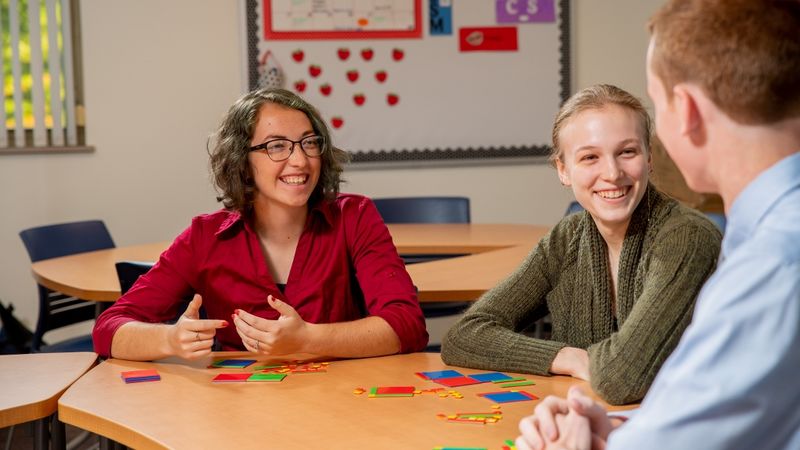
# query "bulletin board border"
(476, 154)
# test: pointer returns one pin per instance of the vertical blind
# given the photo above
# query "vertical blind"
(40, 110)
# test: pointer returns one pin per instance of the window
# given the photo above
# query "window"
(42, 100)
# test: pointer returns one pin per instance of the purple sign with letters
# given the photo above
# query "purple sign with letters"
(525, 11)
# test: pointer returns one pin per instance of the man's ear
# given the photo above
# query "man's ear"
(690, 114)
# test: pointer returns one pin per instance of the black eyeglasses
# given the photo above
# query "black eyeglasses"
(281, 149)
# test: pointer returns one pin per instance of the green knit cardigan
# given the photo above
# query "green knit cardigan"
(668, 252)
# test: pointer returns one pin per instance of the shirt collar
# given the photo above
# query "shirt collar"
(233, 219)
(322, 209)
(755, 201)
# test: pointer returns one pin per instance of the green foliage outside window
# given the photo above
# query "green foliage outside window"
(25, 63)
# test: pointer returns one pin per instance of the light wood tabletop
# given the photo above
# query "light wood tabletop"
(494, 250)
(31, 384)
(186, 410)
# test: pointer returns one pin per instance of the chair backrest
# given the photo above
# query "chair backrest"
(130, 271)
(424, 209)
(428, 210)
(719, 220)
(573, 207)
(52, 241)
(57, 310)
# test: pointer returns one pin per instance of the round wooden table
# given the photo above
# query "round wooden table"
(307, 410)
(493, 251)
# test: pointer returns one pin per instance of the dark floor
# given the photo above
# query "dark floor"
(22, 437)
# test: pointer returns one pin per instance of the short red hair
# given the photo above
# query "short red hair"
(744, 54)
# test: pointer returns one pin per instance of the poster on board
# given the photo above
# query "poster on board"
(419, 80)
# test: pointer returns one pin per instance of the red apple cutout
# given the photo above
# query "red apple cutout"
(298, 55)
(381, 76)
(300, 86)
(397, 54)
(352, 75)
(359, 99)
(337, 122)
(325, 89)
(314, 70)
(392, 99)
(343, 53)
(367, 54)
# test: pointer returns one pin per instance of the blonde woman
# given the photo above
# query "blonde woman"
(618, 279)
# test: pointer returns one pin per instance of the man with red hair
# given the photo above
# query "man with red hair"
(724, 76)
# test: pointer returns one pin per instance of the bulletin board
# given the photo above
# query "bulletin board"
(419, 80)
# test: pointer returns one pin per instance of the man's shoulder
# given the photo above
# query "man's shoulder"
(778, 232)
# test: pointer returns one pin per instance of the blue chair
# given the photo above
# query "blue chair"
(719, 220)
(57, 310)
(573, 207)
(424, 210)
(428, 210)
(130, 271)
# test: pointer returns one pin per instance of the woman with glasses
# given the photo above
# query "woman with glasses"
(289, 265)
(619, 279)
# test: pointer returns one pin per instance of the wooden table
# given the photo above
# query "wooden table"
(31, 384)
(186, 410)
(495, 250)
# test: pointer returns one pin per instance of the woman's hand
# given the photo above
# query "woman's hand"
(192, 337)
(286, 335)
(571, 361)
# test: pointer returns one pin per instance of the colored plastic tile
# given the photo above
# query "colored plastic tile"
(491, 376)
(228, 363)
(507, 397)
(231, 377)
(267, 377)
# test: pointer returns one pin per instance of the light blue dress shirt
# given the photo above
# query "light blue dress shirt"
(733, 382)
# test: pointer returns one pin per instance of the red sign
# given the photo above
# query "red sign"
(488, 39)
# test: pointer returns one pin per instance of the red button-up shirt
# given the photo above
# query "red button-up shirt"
(346, 267)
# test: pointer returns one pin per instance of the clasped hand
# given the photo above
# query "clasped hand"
(285, 335)
(575, 423)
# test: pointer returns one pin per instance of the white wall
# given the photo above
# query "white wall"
(609, 44)
(159, 75)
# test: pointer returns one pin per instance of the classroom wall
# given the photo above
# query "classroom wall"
(159, 75)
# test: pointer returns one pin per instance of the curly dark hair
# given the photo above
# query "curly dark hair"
(229, 146)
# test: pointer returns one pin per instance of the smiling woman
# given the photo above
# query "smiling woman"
(605, 160)
(618, 279)
(296, 266)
